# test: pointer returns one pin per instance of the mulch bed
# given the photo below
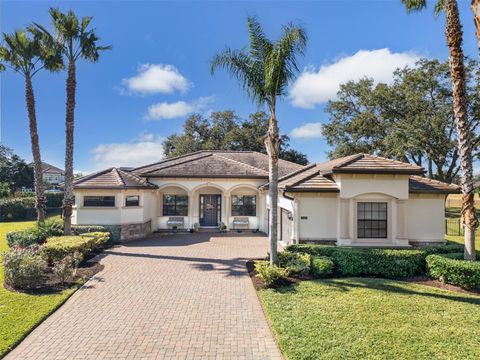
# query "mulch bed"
(421, 279)
(51, 282)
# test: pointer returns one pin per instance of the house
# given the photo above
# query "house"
(52, 175)
(358, 200)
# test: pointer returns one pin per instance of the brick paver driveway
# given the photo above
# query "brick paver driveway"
(174, 297)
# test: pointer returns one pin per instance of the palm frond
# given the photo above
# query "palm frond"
(414, 5)
(240, 65)
(260, 45)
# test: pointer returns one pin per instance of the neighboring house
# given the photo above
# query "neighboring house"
(52, 175)
(357, 200)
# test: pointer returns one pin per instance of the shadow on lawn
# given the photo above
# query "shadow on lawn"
(383, 285)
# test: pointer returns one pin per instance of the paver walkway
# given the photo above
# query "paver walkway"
(167, 297)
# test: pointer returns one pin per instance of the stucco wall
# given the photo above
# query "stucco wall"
(352, 185)
(321, 217)
(426, 217)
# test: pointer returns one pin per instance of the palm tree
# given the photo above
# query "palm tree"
(265, 71)
(27, 53)
(476, 18)
(76, 41)
(453, 34)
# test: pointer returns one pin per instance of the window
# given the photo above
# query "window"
(175, 205)
(102, 201)
(244, 205)
(372, 220)
(132, 200)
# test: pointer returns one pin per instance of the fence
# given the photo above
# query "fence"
(453, 227)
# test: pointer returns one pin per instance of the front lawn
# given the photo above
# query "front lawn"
(367, 318)
(20, 312)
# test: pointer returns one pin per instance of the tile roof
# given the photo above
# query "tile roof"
(216, 164)
(318, 177)
(421, 184)
(47, 168)
(370, 164)
(112, 178)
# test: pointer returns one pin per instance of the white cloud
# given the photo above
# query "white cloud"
(316, 87)
(156, 78)
(308, 131)
(146, 148)
(177, 109)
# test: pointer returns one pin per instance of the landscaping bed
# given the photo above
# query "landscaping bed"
(22, 309)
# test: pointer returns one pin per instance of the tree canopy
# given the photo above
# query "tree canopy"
(224, 130)
(410, 120)
(15, 173)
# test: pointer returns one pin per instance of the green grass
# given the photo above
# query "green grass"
(20, 312)
(365, 318)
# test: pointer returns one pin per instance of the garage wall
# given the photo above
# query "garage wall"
(321, 217)
(426, 217)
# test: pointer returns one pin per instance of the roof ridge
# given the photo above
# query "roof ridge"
(168, 159)
(397, 161)
(242, 163)
(86, 177)
(179, 163)
(119, 177)
(303, 179)
(296, 172)
(434, 180)
(351, 159)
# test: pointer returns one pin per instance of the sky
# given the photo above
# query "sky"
(157, 73)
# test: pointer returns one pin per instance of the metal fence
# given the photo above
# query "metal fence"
(453, 227)
(457, 203)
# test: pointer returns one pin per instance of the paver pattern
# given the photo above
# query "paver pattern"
(164, 297)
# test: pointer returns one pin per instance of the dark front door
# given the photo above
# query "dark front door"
(210, 207)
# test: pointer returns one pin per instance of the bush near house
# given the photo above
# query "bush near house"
(114, 230)
(24, 267)
(35, 235)
(58, 247)
(321, 266)
(272, 276)
(21, 207)
(452, 269)
(294, 263)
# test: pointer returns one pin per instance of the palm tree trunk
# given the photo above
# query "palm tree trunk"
(68, 197)
(37, 159)
(453, 33)
(272, 144)
(476, 18)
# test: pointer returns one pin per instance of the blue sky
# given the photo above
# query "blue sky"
(157, 73)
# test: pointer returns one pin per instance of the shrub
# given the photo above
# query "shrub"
(294, 263)
(67, 267)
(452, 269)
(273, 275)
(389, 263)
(35, 235)
(321, 266)
(57, 247)
(15, 209)
(114, 230)
(24, 267)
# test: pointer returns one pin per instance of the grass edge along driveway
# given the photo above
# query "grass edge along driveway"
(20, 313)
(369, 318)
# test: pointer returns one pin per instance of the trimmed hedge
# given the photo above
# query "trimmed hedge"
(452, 269)
(272, 276)
(22, 207)
(114, 230)
(321, 266)
(294, 263)
(57, 247)
(35, 235)
(388, 263)
(24, 267)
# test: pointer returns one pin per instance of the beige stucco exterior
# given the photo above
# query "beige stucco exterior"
(315, 216)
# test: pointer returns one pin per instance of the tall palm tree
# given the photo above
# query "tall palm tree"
(454, 34)
(27, 53)
(475, 6)
(265, 70)
(77, 41)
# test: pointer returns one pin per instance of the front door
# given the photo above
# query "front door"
(210, 208)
